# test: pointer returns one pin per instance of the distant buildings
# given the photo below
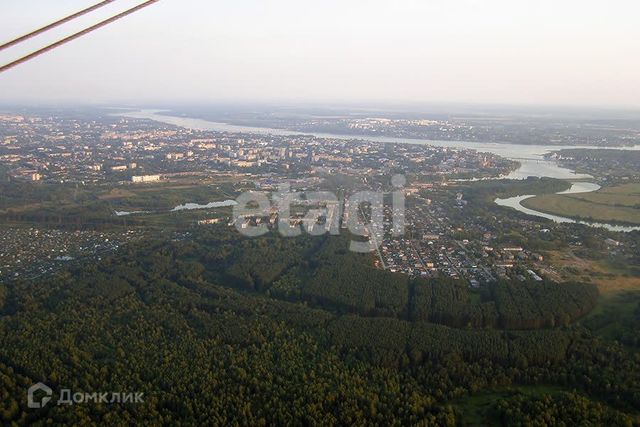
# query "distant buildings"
(145, 179)
(25, 175)
(210, 221)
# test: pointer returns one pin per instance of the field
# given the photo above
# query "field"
(609, 278)
(95, 206)
(619, 204)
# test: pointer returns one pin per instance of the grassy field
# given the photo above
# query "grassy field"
(164, 197)
(619, 204)
(627, 195)
(96, 205)
(610, 279)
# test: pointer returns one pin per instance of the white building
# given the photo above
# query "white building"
(145, 179)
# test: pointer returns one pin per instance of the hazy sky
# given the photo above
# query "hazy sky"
(569, 52)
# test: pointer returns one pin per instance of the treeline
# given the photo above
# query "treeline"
(154, 320)
(323, 273)
(76, 206)
(502, 305)
(531, 305)
(619, 319)
(66, 206)
(561, 409)
(508, 188)
(425, 341)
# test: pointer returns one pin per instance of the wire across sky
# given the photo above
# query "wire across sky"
(71, 37)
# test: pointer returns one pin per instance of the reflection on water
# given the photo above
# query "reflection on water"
(544, 168)
(124, 213)
(582, 187)
(199, 124)
(576, 188)
(195, 206)
(531, 157)
(185, 207)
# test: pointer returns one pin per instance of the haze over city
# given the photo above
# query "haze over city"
(496, 51)
(331, 213)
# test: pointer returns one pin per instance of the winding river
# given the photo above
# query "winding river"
(531, 157)
(576, 188)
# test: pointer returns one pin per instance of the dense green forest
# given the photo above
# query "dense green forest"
(322, 273)
(216, 330)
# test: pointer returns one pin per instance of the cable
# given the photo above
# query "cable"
(76, 35)
(55, 24)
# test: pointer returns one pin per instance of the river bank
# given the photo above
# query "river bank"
(532, 158)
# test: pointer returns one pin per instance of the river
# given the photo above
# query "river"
(576, 188)
(530, 157)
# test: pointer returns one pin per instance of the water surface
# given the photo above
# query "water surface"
(576, 188)
(531, 157)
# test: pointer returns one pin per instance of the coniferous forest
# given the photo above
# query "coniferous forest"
(218, 330)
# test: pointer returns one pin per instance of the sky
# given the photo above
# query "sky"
(530, 52)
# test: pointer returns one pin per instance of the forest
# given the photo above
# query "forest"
(260, 341)
(322, 273)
